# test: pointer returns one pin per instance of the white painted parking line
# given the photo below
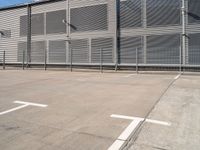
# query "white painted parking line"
(13, 109)
(130, 129)
(32, 104)
(175, 78)
(25, 104)
(129, 75)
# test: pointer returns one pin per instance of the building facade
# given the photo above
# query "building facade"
(86, 32)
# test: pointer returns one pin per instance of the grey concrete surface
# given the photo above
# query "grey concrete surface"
(79, 107)
(179, 106)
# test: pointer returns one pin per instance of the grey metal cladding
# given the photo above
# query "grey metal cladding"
(194, 49)
(194, 11)
(89, 18)
(37, 24)
(21, 48)
(54, 22)
(57, 51)
(80, 51)
(163, 12)
(23, 25)
(130, 13)
(38, 51)
(163, 49)
(128, 46)
(106, 44)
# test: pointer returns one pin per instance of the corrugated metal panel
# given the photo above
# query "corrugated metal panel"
(10, 25)
(106, 44)
(80, 51)
(194, 49)
(130, 13)
(163, 12)
(38, 51)
(89, 18)
(193, 11)
(57, 51)
(163, 49)
(128, 46)
(54, 22)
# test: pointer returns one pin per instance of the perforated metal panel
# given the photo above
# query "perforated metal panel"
(23, 25)
(80, 51)
(38, 51)
(194, 11)
(21, 48)
(163, 49)
(54, 22)
(163, 12)
(128, 46)
(57, 51)
(130, 13)
(37, 24)
(89, 18)
(194, 49)
(106, 44)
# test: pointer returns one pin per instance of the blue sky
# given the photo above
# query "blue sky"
(5, 3)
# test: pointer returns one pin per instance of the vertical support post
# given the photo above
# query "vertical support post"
(183, 30)
(136, 56)
(118, 34)
(28, 35)
(4, 60)
(71, 59)
(23, 59)
(101, 60)
(45, 59)
(180, 59)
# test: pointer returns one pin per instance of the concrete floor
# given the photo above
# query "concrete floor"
(79, 107)
(180, 106)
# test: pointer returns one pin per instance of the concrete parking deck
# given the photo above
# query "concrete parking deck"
(78, 107)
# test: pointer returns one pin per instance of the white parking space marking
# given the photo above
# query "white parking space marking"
(175, 78)
(129, 75)
(130, 129)
(32, 104)
(25, 104)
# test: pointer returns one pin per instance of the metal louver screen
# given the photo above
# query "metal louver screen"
(57, 51)
(54, 22)
(194, 49)
(128, 46)
(21, 48)
(106, 44)
(37, 24)
(163, 12)
(130, 13)
(80, 51)
(194, 11)
(163, 49)
(89, 18)
(38, 51)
